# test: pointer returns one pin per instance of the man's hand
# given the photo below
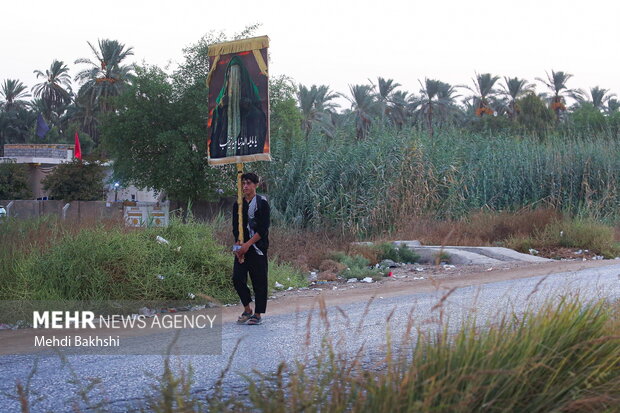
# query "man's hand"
(244, 248)
(240, 253)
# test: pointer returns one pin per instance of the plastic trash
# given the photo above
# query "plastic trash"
(162, 240)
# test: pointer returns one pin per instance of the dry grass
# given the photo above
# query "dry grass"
(479, 228)
(305, 249)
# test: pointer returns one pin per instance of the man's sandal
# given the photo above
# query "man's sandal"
(244, 317)
(255, 320)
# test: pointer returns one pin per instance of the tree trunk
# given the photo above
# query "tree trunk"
(430, 121)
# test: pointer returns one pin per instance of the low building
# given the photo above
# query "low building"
(43, 158)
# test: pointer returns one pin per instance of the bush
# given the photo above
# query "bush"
(357, 266)
(14, 181)
(76, 181)
(575, 233)
(587, 119)
(388, 251)
(285, 274)
(114, 263)
(362, 272)
(350, 261)
(587, 234)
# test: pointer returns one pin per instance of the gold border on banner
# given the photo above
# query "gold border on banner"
(240, 159)
(238, 46)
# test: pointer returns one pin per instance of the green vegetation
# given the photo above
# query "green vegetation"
(578, 233)
(164, 133)
(285, 274)
(366, 186)
(563, 357)
(76, 181)
(388, 251)
(442, 257)
(356, 266)
(14, 181)
(446, 150)
(46, 260)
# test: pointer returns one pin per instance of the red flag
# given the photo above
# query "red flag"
(78, 149)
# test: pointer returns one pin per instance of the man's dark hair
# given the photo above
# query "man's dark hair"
(250, 176)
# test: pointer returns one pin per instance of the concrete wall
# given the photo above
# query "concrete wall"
(96, 210)
(78, 210)
(131, 193)
(60, 151)
(203, 210)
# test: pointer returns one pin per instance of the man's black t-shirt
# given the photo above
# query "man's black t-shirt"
(260, 224)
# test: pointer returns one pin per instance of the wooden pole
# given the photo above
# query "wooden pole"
(240, 200)
(240, 203)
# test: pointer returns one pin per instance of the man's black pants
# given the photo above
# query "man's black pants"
(256, 266)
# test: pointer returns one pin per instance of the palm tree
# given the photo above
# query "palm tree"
(364, 107)
(16, 124)
(556, 82)
(436, 97)
(55, 90)
(513, 89)
(13, 91)
(316, 107)
(82, 112)
(483, 91)
(384, 89)
(613, 105)
(398, 108)
(598, 97)
(107, 76)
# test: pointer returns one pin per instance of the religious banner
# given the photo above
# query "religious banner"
(238, 124)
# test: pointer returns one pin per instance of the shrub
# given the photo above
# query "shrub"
(76, 181)
(387, 251)
(401, 253)
(350, 261)
(586, 234)
(574, 233)
(14, 181)
(113, 263)
(285, 274)
(356, 266)
(362, 272)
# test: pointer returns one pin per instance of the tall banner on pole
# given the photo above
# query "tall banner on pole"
(238, 124)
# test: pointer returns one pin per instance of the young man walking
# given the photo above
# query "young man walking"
(251, 255)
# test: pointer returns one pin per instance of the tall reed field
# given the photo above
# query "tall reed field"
(371, 185)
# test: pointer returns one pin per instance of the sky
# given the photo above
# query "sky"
(337, 43)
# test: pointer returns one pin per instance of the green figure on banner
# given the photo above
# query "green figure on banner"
(239, 123)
